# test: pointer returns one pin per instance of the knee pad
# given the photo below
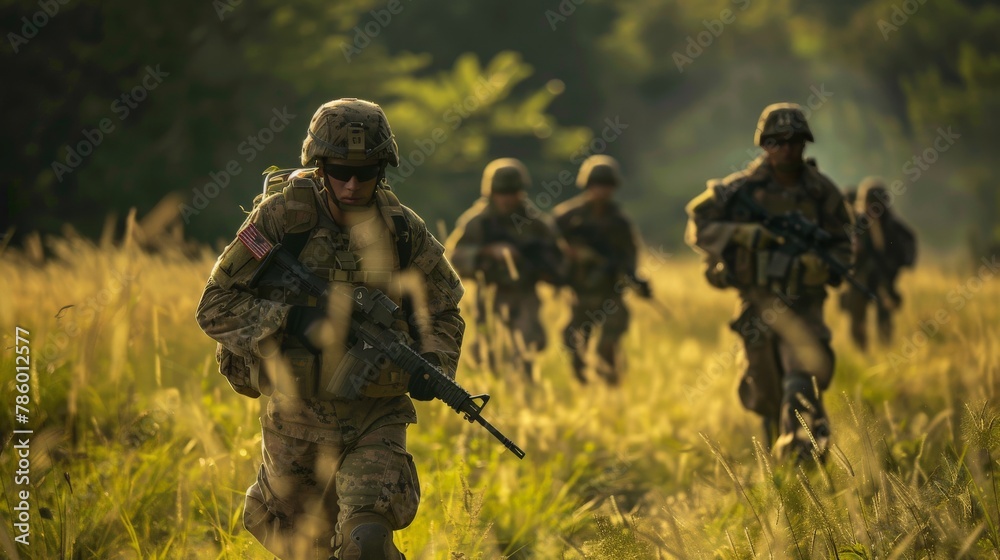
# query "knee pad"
(367, 537)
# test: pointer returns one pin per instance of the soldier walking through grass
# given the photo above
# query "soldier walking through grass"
(883, 246)
(782, 284)
(508, 250)
(603, 251)
(336, 477)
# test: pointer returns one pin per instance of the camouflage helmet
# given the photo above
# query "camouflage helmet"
(350, 129)
(599, 169)
(782, 121)
(505, 175)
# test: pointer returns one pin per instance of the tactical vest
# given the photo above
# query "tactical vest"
(749, 267)
(373, 252)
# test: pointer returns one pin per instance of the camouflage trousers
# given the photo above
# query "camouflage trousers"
(608, 314)
(306, 492)
(855, 303)
(789, 361)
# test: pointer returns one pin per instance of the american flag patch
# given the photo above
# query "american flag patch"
(254, 240)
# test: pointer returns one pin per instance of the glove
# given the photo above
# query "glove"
(814, 271)
(755, 236)
(301, 322)
(421, 388)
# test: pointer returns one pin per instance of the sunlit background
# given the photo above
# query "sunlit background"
(134, 138)
(672, 89)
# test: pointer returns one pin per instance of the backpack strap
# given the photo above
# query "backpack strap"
(399, 226)
(301, 214)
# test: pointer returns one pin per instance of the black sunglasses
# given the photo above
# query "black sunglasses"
(345, 172)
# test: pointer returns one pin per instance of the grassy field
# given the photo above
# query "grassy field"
(141, 450)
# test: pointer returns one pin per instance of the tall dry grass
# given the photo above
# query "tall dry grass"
(141, 450)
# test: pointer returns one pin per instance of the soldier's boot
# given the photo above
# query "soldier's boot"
(770, 431)
(859, 335)
(884, 327)
(365, 537)
(804, 426)
(579, 365)
(528, 366)
(575, 344)
(610, 364)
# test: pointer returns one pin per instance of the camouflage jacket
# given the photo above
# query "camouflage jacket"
(604, 244)
(253, 328)
(714, 217)
(537, 256)
(882, 246)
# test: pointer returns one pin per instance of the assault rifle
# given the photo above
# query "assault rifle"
(801, 235)
(614, 262)
(371, 322)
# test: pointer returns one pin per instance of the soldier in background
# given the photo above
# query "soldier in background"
(780, 317)
(603, 250)
(883, 245)
(508, 250)
(336, 477)
(850, 195)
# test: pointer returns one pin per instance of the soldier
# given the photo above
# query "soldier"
(603, 249)
(883, 245)
(510, 249)
(780, 318)
(336, 477)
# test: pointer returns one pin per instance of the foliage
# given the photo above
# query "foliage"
(141, 450)
(687, 78)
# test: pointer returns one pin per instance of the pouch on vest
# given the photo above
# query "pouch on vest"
(363, 371)
(298, 379)
(237, 370)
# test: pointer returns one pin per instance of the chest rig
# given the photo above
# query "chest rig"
(600, 240)
(370, 250)
(750, 267)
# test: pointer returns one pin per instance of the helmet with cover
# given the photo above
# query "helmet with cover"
(599, 170)
(504, 176)
(782, 122)
(350, 131)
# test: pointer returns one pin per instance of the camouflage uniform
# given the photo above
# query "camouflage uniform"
(883, 245)
(789, 358)
(336, 477)
(533, 255)
(603, 254)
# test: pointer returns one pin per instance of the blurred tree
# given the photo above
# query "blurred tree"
(681, 82)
